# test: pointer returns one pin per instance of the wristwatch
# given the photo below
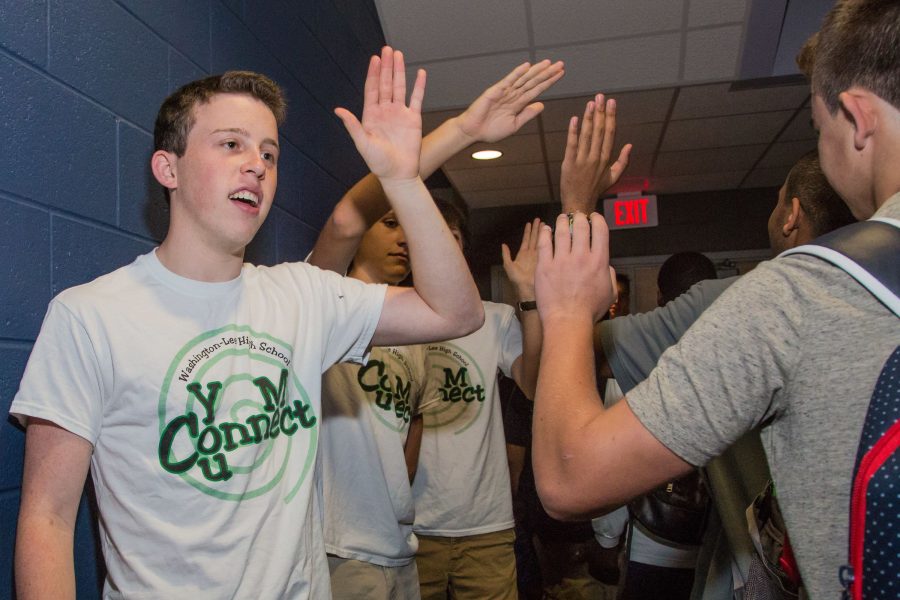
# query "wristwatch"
(526, 305)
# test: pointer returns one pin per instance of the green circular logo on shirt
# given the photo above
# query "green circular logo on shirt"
(455, 377)
(234, 419)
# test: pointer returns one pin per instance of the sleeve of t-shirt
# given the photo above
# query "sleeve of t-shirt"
(723, 377)
(634, 343)
(510, 339)
(62, 382)
(352, 310)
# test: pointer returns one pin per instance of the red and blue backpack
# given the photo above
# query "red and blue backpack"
(870, 252)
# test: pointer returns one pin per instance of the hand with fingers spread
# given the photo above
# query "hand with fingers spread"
(586, 168)
(389, 137)
(521, 269)
(573, 280)
(507, 105)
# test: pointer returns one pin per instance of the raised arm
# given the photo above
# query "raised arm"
(586, 458)
(56, 466)
(444, 303)
(498, 112)
(521, 273)
(586, 170)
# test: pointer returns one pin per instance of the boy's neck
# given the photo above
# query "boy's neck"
(199, 264)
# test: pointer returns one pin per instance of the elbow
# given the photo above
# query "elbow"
(346, 222)
(558, 501)
(471, 321)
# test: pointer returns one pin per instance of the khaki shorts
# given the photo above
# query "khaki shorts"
(354, 579)
(472, 567)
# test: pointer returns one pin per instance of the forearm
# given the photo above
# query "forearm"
(531, 341)
(366, 201)
(44, 561)
(566, 402)
(413, 446)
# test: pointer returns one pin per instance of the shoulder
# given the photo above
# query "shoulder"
(109, 287)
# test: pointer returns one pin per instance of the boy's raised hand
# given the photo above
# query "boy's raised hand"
(573, 279)
(521, 269)
(586, 169)
(389, 137)
(505, 106)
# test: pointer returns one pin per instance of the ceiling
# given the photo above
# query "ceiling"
(670, 64)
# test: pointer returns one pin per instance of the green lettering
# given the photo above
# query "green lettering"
(167, 439)
(224, 473)
(208, 402)
(228, 430)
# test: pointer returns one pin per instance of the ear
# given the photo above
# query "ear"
(163, 165)
(861, 112)
(793, 218)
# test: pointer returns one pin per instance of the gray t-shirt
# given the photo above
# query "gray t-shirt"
(634, 343)
(796, 345)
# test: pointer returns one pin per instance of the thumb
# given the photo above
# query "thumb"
(545, 247)
(507, 257)
(528, 113)
(351, 124)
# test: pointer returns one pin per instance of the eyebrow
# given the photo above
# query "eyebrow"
(245, 133)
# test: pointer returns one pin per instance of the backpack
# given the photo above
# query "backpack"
(676, 511)
(870, 252)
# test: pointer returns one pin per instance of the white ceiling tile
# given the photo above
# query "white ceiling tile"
(785, 154)
(712, 53)
(734, 130)
(700, 182)
(701, 101)
(646, 106)
(498, 178)
(581, 20)
(770, 177)
(508, 197)
(800, 128)
(715, 160)
(518, 149)
(446, 87)
(637, 63)
(716, 12)
(429, 29)
(644, 138)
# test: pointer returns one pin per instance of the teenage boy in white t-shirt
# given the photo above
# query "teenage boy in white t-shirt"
(371, 430)
(190, 382)
(499, 112)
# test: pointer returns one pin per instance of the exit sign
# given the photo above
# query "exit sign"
(627, 212)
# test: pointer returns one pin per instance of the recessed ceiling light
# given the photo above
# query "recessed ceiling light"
(487, 154)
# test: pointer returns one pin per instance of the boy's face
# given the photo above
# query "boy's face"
(226, 179)
(382, 253)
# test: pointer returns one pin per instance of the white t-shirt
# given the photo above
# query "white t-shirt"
(366, 411)
(462, 484)
(202, 402)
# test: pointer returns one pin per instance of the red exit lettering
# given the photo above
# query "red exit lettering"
(631, 212)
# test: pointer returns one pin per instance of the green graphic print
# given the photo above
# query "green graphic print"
(455, 377)
(387, 381)
(234, 419)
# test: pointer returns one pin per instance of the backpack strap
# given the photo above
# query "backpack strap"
(869, 251)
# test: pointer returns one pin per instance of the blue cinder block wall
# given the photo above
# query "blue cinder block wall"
(80, 83)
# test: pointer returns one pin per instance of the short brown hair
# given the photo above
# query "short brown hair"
(859, 44)
(821, 204)
(176, 115)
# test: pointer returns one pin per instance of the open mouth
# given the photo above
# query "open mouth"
(248, 198)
